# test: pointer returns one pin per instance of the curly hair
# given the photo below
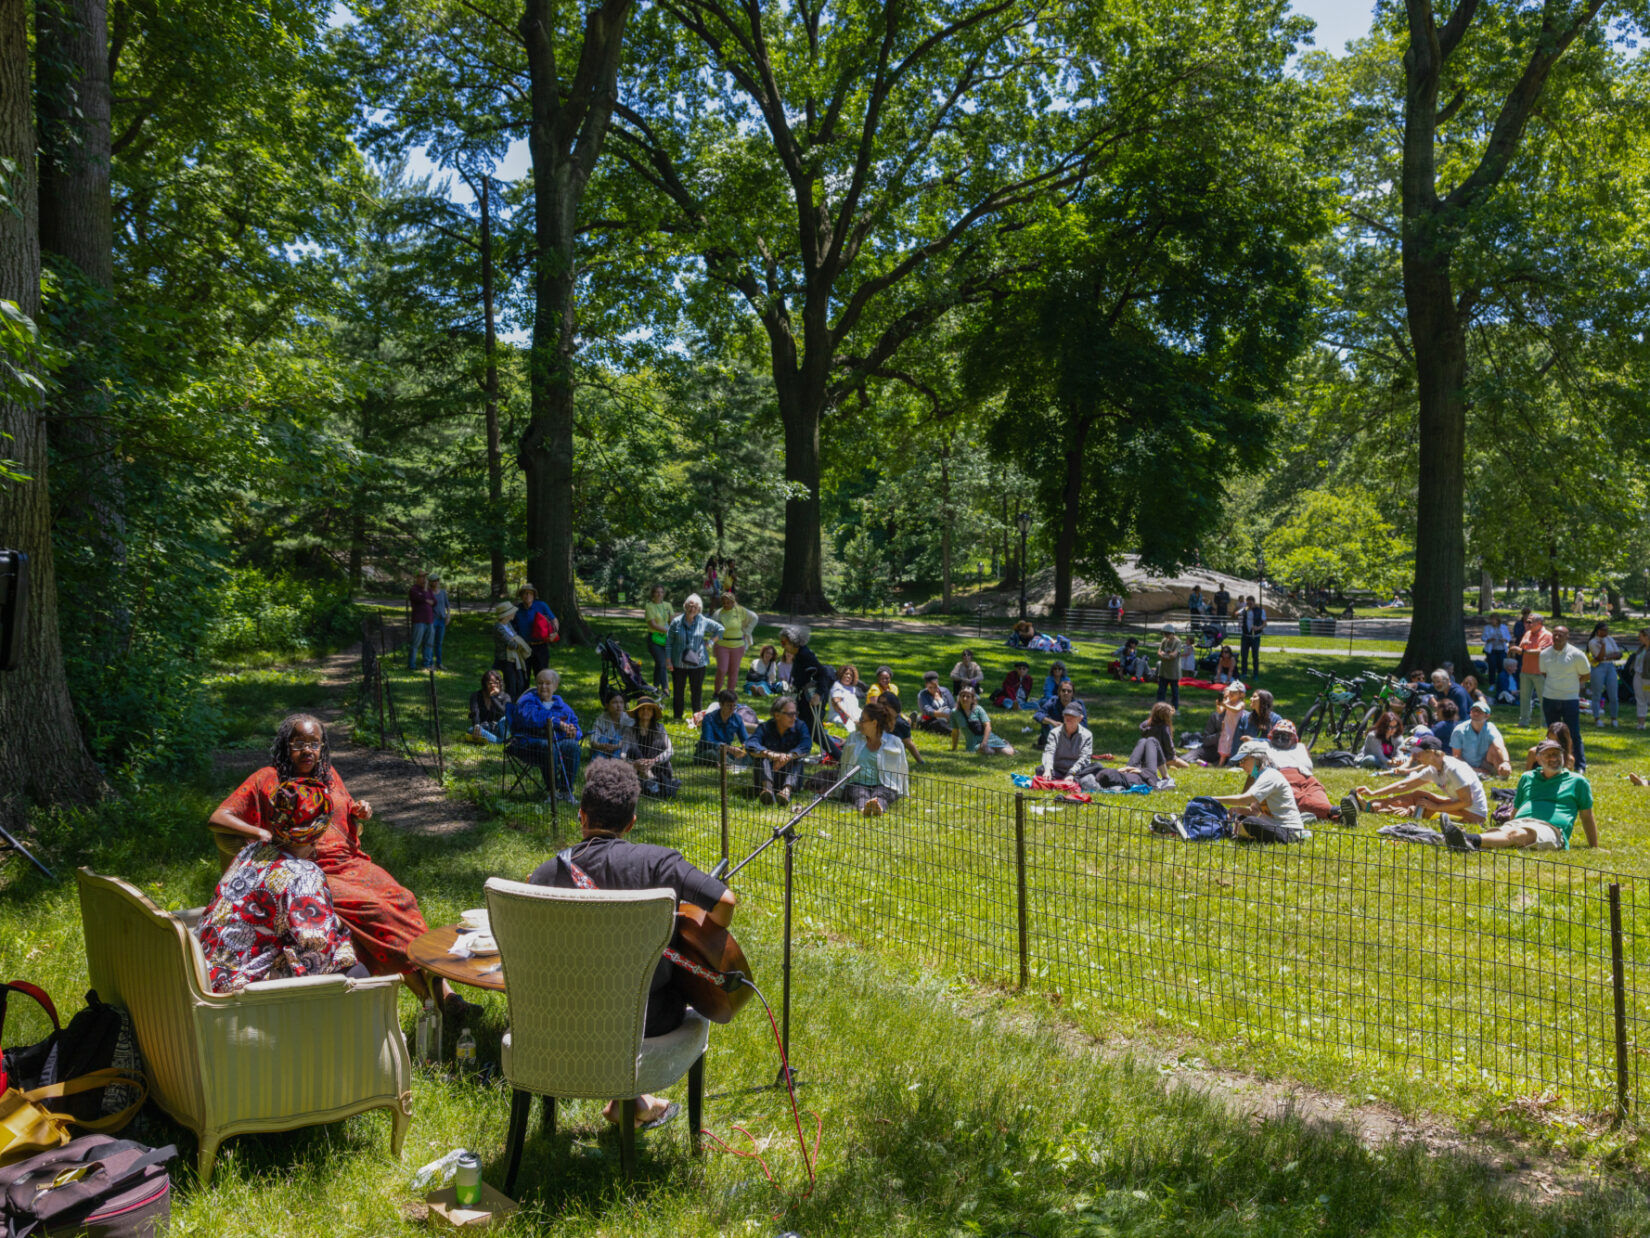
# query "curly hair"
(280, 752)
(611, 793)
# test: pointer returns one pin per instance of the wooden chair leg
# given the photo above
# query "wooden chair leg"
(627, 1137)
(521, 1101)
(547, 1115)
(696, 1103)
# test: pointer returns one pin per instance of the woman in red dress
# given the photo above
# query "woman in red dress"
(382, 915)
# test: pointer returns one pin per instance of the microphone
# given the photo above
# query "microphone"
(721, 869)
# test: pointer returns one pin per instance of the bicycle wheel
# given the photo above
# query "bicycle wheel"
(1312, 724)
(1362, 729)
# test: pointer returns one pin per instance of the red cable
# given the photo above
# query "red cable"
(801, 1141)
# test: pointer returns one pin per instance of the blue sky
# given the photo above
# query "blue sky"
(1338, 21)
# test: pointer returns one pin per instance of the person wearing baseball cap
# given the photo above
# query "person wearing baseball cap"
(1458, 794)
(1479, 743)
(1549, 801)
(1266, 808)
(1070, 744)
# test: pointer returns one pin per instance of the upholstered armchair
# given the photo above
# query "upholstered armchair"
(576, 967)
(278, 1055)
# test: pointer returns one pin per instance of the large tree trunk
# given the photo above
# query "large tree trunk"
(42, 756)
(802, 580)
(946, 521)
(1486, 591)
(77, 240)
(569, 126)
(1065, 543)
(495, 454)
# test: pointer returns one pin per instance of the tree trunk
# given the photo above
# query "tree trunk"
(801, 409)
(77, 240)
(1065, 544)
(1555, 595)
(1486, 592)
(945, 529)
(1618, 612)
(358, 509)
(569, 126)
(42, 755)
(1011, 566)
(495, 455)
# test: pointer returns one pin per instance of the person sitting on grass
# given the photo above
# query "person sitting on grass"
(1052, 681)
(762, 675)
(883, 682)
(1478, 742)
(877, 758)
(722, 728)
(1257, 719)
(489, 711)
(934, 705)
(609, 860)
(778, 747)
(901, 724)
(1050, 712)
(1291, 759)
(972, 725)
(1154, 752)
(1220, 738)
(1548, 802)
(654, 751)
(1069, 745)
(845, 698)
(1266, 809)
(1381, 745)
(1459, 795)
(613, 737)
(1559, 734)
(1131, 663)
(543, 718)
(1016, 690)
(1446, 718)
(271, 917)
(967, 674)
(1226, 665)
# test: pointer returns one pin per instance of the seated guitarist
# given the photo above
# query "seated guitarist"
(607, 856)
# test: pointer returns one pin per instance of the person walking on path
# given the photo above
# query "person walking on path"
(738, 622)
(1603, 651)
(443, 611)
(1253, 623)
(421, 609)
(1531, 682)
(1564, 668)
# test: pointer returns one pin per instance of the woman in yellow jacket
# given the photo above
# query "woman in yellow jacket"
(738, 623)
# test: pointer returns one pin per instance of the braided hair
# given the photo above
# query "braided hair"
(280, 753)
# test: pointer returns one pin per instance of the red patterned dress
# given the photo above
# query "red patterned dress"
(271, 918)
(381, 914)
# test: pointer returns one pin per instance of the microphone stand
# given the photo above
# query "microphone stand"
(786, 831)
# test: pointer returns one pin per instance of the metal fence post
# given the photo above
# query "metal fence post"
(378, 685)
(1020, 885)
(435, 729)
(1619, 984)
(722, 774)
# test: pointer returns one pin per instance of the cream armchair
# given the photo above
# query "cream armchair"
(276, 1056)
(577, 964)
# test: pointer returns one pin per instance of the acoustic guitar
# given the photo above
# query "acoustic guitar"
(708, 947)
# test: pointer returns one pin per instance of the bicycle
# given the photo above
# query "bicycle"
(1396, 695)
(1337, 700)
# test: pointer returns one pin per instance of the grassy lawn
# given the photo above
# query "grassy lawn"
(1342, 962)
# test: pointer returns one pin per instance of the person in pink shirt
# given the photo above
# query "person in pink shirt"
(1530, 679)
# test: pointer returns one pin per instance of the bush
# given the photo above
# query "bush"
(281, 615)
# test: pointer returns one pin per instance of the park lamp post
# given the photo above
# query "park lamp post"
(1024, 521)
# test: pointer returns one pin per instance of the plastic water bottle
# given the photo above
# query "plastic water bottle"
(464, 1052)
(428, 1034)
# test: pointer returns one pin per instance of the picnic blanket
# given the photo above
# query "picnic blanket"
(1209, 684)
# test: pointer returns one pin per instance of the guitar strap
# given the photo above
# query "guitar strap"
(582, 880)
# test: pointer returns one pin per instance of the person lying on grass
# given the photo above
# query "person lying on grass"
(1546, 806)
(1459, 792)
(1265, 809)
(971, 724)
(877, 758)
(611, 861)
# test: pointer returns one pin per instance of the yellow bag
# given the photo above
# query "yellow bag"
(27, 1127)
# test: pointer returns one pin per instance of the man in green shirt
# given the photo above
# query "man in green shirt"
(1546, 806)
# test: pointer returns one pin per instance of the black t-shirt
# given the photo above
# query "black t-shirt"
(619, 864)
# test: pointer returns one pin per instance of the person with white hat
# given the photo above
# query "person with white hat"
(510, 651)
(1478, 742)
(1266, 806)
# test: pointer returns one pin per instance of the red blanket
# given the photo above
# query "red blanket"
(1203, 683)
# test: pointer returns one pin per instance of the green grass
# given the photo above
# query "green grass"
(938, 1121)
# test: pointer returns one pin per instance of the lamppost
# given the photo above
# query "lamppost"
(1260, 553)
(1024, 521)
(980, 579)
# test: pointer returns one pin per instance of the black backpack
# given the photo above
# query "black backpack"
(98, 1041)
(110, 1188)
(1338, 758)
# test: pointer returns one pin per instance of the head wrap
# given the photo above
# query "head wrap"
(303, 809)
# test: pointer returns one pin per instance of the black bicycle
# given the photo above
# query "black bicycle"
(1393, 695)
(1338, 701)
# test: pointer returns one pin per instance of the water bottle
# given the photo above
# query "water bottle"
(428, 1033)
(464, 1053)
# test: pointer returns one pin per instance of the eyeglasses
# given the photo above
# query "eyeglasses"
(305, 745)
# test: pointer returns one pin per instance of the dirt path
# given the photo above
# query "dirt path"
(401, 795)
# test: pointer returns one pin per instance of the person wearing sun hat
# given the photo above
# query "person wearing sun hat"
(271, 917)
(510, 651)
(653, 749)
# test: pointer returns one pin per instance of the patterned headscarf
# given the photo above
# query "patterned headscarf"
(303, 810)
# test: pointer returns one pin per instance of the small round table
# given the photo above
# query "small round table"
(430, 953)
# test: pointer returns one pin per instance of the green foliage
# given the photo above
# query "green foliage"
(281, 616)
(1337, 538)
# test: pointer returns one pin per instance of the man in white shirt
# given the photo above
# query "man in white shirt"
(1564, 668)
(1267, 809)
(1253, 620)
(1460, 794)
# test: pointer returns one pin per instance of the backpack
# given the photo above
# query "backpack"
(1205, 820)
(541, 627)
(98, 1044)
(111, 1188)
(1338, 758)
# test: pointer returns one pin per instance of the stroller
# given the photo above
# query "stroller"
(620, 669)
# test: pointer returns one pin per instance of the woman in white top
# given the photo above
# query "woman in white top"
(845, 696)
(877, 758)
(762, 676)
(1603, 652)
(738, 622)
(614, 733)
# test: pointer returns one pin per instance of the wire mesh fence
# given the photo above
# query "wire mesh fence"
(408, 717)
